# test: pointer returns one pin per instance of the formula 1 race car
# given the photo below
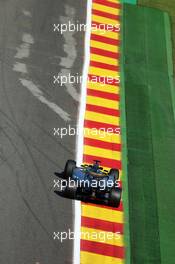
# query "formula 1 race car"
(90, 183)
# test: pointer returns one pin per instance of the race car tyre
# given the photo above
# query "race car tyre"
(115, 173)
(70, 165)
(70, 192)
(115, 197)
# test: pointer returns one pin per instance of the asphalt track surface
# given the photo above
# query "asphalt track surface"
(30, 107)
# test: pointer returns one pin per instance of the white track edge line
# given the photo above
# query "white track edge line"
(79, 141)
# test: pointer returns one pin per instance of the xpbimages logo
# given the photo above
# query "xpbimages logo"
(80, 27)
(76, 131)
(101, 184)
(78, 79)
(100, 236)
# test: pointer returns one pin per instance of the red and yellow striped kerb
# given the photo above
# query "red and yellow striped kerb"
(102, 112)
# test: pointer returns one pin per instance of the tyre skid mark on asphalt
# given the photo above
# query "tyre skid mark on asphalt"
(13, 127)
(71, 51)
(11, 124)
(26, 13)
(23, 51)
(37, 219)
(22, 160)
(39, 94)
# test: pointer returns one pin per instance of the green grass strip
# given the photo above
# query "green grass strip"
(134, 2)
(169, 58)
(124, 150)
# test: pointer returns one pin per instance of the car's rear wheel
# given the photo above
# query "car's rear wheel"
(115, 173)
(70, 192)
(69, 167)
(115, 197)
